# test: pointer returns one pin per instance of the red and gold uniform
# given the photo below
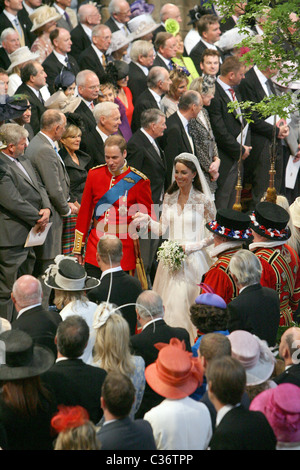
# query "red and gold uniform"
(219, 278)
(281, 272)
(116, 218)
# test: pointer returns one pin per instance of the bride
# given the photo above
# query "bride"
(188, 205)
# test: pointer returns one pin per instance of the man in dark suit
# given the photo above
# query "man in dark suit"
(256, 86)
(236, 427)
(158, 83)
(119, 16)
(289, 352)
(73, 382)
(107, 117)
(24, 205)
(28, 7)
(88, 86)
(142, 57)
(10, 42)
(33, 79)
(209, 31)
(93, 57)
(119, 431)
(11, 17)
(166, 48)
(124, 288)
(150, 312)
(32, 318)
(227, 128)
(81, 36)
(256, 309)
(176, 138)
(59, 59)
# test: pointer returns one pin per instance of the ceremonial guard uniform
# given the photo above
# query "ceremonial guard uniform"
(280, 262)
(107, 206)
(233, 227)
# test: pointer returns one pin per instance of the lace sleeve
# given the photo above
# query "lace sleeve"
(202, 203)
(160, 228)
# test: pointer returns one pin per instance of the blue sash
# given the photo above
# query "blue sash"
(115, 192)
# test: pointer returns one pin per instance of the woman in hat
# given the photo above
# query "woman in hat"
(201, 131)
(26, 406)
(179, 86)
(119, 45)
(183, 60)
(187, 206)
(112, 349)
(77, 164)
(43, 20)
(18, 59)
(117, 73)
(70, 283)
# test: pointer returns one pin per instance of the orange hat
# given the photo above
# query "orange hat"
(176, 373)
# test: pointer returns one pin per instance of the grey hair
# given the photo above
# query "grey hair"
(82, 75)
(149, 304)
(104, 109)
(50, 118)
(156, 75)
(149, 116)
(12, 133)
(84, 11)
(7, 32)
(189, 98)
(140, 47)
(113, 6)
(246, 267)
(98, 29)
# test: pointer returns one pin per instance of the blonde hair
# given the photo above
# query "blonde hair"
(112, 348)
(80, 438)
(62, 297)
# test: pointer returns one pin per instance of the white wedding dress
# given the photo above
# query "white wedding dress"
(187, 226)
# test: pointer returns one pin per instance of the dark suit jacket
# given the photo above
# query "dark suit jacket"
(92, 144)
(158, 62)
(126, 434)
(112, 24)
(226, 128)
(5, 23)
(242, 429)
(80, 41)
(88, 59)
(142, 344)
(125, 289)
(145, 101)
(196, 54)
(290, 375)
(75, 383)
(27, 25)
(37, 107)
(40, 324)
(137, 81)
(174, 142)
(4, 59)
(257, 310)
(142, 155)
(88, 118)
(53, 67)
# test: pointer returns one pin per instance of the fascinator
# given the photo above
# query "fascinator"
(13, 107)
(75, 119)
(172, 26)
(69, 417)
(209, 297)
(196, 13)
(103, 312)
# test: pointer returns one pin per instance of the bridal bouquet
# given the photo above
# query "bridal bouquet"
(171, 254)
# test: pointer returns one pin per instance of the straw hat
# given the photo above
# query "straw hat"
(20, 56)
(142, 25)
(270, 221)
(175, 374)
(22, 358)
(281, 407)
(66, 104)
(68, 275)
(43, 15)
(254, 354)
(118, 40)
(295, 212)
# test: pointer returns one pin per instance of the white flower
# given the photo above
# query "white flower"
(171, 254)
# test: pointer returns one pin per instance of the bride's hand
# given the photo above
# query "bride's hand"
(140, 219)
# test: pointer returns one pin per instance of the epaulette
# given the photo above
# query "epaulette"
(139, 173)
(98, 166)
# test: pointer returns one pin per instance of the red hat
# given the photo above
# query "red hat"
(176, 373)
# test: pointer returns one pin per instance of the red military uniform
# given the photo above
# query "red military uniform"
(117, 216)
(219, 278)
(281, 272)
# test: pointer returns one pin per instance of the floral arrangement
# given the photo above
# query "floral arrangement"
(171, 254)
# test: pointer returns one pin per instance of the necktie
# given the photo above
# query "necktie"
(67, 63)
(67, 18)
(57, 153)
(40, 97)
(170, 65)
(103, 60)
(232, 93)
(92, 105)
(18, 27)
(187, 128)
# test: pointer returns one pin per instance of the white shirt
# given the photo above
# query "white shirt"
(142, 67)
(166, 61)
(151, 321)
(110, 270)
(222, 412)
(156, 97)
(191, 39)
(99, 53)
(27, 308)
(62, 58)
(185, 123)
(262, 79)
(87, 30)
(102, 135)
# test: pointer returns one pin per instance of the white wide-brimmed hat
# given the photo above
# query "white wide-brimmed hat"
(142, 25)
(118, 40)
(20, 56)
(66, 104)
(43, 15)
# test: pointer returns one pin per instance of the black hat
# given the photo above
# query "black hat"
(64, 80)
(270, 221)
(13, 107)
(196, 13)
(231, 224)
(68, 275)
(21, 358)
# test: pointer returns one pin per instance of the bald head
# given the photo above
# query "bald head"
(289, 347)
(26, 291)
(169, 10)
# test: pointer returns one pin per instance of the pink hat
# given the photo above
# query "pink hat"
(175, 374)
(281, 406)
(254, 354)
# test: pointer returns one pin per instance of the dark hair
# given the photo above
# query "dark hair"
(196, 183)
(230, 64)
(118, 393)
(205, 21)
(72, 336)
(28, 70)
(209, 52)
(214, 345)
(228, 379)
(54, 34)
(208, 318)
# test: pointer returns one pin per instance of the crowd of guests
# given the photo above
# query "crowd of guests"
(90, 363)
